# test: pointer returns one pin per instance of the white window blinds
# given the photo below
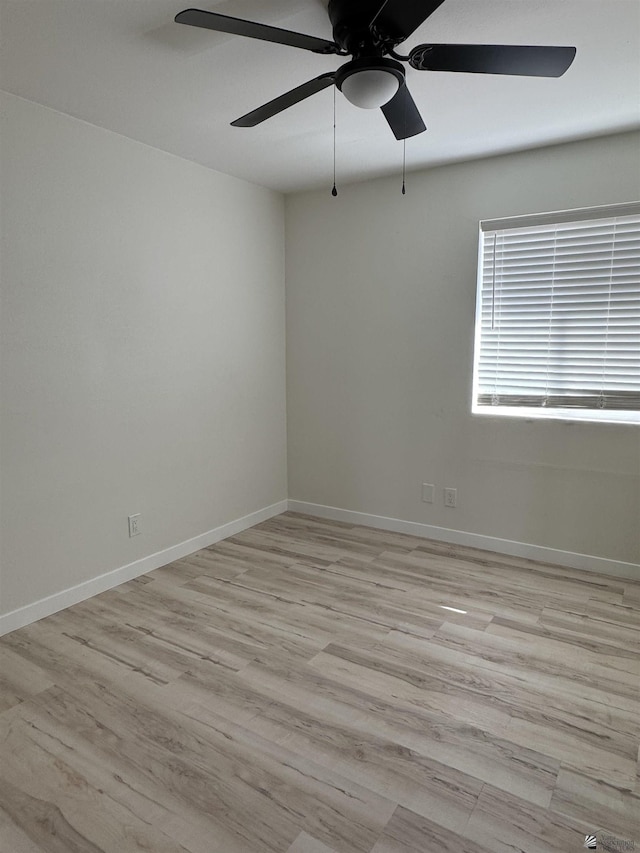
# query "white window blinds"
(558, 314)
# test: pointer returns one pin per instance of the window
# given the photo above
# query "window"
(558, 316)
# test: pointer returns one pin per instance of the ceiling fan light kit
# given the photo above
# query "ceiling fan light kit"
(370, 31)
(370, 83)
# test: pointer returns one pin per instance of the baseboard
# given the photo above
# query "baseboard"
(53, 603)
(474, 540)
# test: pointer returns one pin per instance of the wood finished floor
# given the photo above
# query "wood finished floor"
(305, 687)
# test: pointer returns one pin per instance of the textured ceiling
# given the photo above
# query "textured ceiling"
(124, 65)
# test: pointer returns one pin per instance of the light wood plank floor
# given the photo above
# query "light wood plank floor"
(315, 687)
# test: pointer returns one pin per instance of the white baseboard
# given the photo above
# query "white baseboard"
(474, 540)
(53, 603)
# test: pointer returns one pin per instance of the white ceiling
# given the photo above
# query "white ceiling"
(124, 65)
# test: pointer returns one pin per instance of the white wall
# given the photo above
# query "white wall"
(142, 351)
(380, 318)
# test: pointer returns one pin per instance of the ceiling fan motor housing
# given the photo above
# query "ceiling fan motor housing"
(370, 79)
(354, 31)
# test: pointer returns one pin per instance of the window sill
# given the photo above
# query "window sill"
(601, 416)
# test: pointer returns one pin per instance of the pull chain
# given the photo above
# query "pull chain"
(404, 148)
(404, 164)
(334, 191)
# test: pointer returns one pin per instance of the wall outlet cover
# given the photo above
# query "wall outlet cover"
(450, 497)
(134, 524)
(428, 490)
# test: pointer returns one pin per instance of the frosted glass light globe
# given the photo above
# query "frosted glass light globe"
(370, 88)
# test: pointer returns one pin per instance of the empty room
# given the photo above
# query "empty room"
(319, 426)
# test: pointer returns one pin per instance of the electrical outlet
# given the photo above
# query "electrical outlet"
(134, 524)
(427, 492)
(450, 497)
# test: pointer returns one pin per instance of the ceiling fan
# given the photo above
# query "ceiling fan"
(370, 31)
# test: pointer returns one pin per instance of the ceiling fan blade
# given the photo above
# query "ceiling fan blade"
(283, 101)
(526, 60)
(240, 27)
(399, 18)
(402, 114)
